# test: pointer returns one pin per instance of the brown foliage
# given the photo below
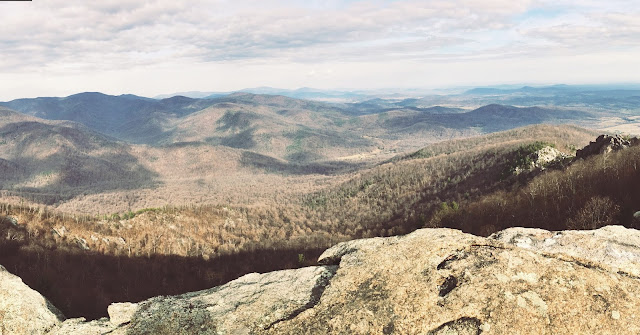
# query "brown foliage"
(84, 283)
(597, 212)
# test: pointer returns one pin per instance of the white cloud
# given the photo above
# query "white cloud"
(73, 39)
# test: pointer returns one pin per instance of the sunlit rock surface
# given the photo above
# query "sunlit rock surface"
(432, 281)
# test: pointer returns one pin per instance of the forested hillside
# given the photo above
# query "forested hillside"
(599, 190)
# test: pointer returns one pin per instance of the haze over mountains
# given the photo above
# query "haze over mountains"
(156, 122)
(301, 93)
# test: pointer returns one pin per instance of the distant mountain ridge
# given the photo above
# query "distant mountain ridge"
(287, 128)
(300, 93)
(560, 88)
(487, 119)
(128, 117)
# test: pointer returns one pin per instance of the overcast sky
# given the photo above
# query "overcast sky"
(60, 47)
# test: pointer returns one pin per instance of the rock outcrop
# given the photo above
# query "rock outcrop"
(605, 144)
(542, 159)
(441, 281)
(614, 248)
(248, 305)
(251, 304)
(23, 310)
(432, 281)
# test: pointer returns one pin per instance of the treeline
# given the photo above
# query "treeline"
(83, 283)
(188, 231)
(83, 263)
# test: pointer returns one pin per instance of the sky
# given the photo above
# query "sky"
(61, 47)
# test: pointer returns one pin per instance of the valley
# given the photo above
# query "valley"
(128, 197)
(110, 154)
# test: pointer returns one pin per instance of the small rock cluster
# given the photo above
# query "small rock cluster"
(542, 159)
(605, 144)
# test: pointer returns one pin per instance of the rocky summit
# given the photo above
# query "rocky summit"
(605, 144)
(432, 281)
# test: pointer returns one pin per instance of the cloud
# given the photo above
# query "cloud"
(74, 37)
(127, 33)
(589, 33)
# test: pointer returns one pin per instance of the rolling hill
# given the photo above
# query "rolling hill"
(116, 153)
(126, 117)
(294, 130)
(51, 161)
(486, 119)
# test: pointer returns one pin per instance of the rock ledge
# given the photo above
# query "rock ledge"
(432, 281)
